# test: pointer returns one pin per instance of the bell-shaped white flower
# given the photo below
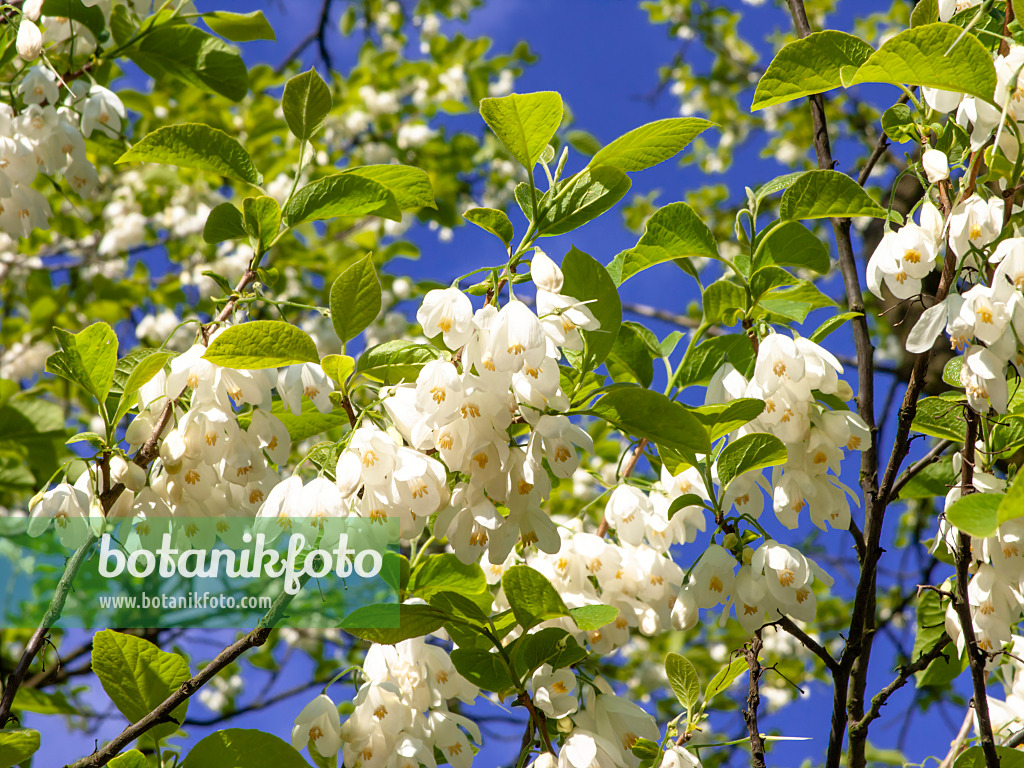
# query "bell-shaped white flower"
(975, 222)
(307, 379)
(318, 722)
(447, 312)
(554, 691)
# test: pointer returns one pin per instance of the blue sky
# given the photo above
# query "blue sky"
(603, 57)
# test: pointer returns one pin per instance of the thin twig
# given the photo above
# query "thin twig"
(751, 651)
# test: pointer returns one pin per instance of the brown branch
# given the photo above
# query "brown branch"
(976, 657)
(915, 469)
(751, 651)
(855, 658)
(808, 642)
(318, 35)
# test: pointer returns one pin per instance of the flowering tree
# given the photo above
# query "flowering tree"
(559, 516)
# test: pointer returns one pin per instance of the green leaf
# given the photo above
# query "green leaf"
(190, 55)
(524, 122)
(306, 102)
(898, 124)
(531, 596)
(1012, 505)
(827, 194)
(591, 617)
(443, 572)
(240, 27)
(586, 279)
(778, 184)
(483, 668)
(925, 12)
(791, 244)
(396, 361)
(930, 628)
(89, 357)
(974, 757)
(832, 324)
(243, 748)
(552, 645)
(976, 514)
(262, 344)
(951, 372)
(632, 352)
(410, 186)
(646, 749)
(724, 302)
(644, 413)
(493, 221)
(748, 453)
(389, 624)
(225, 222)
(651, 144)
(17, 745)
(43, 703)
(939, 417)
(793, 303)
(704, 360)
(343, 194)
(355, 299)
(262, 217)
(583, 142)
(194, 145)
(675, 231)
(583, 198)
(133, 758)
(809, 65)
(338, 367)
(684, 680)
(686, 500)
(138, 677)
(720, 420)
(147, 368)
(934, 56)
(724, 678)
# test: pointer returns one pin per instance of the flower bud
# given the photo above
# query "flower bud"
(545, 273)
(936, 166)
(730, 540)
(564, 724)
(844, 391)
(748, 555)
(31, 9)
(30, 40)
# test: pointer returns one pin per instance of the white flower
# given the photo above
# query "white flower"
(102, 110)
(318, 722)
(447, 312)
(713, 577)
(554, 691)
(307, 379)
(983, 376)
(39, 85)
(936, 165)
(30, 40)
(975, 222)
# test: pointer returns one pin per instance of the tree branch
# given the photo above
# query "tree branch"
(751, 651)
(976, 657)
(809, 643)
